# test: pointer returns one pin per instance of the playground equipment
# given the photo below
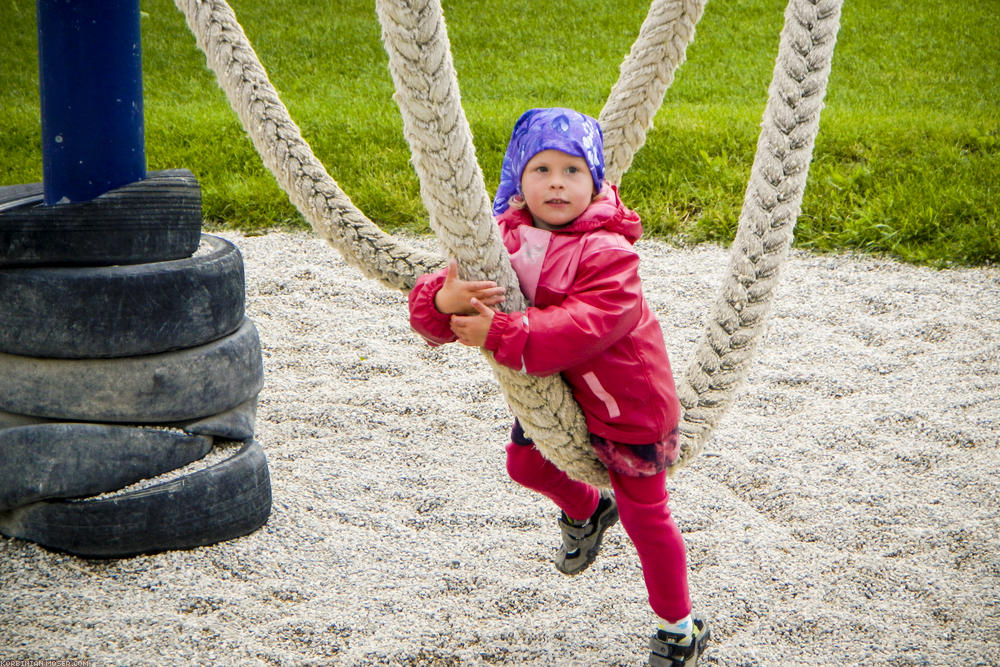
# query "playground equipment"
(435, 126)
(124, 349)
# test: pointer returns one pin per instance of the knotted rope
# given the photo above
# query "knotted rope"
(453, 191)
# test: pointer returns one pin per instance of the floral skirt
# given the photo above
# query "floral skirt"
(623, 458)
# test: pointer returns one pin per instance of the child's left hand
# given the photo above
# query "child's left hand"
(472, 329)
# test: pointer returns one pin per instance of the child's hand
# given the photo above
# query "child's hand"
(472, 329)
(456, 295)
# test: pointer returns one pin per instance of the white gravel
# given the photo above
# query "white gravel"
(845, 513)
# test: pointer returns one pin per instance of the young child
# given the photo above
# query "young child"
(570, 240)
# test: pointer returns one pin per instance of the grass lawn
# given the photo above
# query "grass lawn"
(907, 161)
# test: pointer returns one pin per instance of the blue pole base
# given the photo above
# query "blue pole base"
(90, 80)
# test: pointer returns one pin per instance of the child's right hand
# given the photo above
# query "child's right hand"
(455, 296)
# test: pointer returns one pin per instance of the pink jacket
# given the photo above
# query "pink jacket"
(588, 320)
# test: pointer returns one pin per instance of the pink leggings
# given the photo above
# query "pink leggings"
(642, 507)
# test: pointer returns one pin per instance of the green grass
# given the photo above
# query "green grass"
(907, 161)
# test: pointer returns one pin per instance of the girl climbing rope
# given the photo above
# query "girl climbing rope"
(570, 239)
(453, 191)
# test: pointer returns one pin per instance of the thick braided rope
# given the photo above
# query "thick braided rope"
(545, 405)
(287, 155)
(771, 206)
(643, 79)
(722, 358)
(453, 190)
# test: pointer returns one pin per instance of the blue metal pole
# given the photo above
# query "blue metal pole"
(90, 80)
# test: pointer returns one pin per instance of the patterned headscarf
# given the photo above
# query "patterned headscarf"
(538, 130)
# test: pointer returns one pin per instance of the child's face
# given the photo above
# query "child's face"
(557, 188)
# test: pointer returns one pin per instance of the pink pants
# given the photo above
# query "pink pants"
(642, 507)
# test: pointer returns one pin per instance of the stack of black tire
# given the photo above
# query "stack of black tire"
(125, 354)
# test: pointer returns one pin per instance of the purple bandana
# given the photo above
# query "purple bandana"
(538, 130)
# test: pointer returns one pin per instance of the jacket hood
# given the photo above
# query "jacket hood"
(608, 213)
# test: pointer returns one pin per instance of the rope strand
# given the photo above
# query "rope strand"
(771, 207)
(286, 154)
(643, 79)
(454, 193)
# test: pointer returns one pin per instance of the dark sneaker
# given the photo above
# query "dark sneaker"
(667, 652)
(582, 541)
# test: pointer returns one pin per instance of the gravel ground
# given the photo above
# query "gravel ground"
(845, 512)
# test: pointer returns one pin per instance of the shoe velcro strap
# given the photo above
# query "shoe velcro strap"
(578, 532)
(571, 544)
(669, 649)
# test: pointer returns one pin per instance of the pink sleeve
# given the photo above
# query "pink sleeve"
(425, 318)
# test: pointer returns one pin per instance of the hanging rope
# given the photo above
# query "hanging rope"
(643, 79)
(453, 191)
(771, 207)
(286, 154)
(420, 61)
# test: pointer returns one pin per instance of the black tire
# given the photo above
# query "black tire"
(72, 460)
(182, 385)
(235, 424)
(151, 220)
(123, 311)
(20, 196)
(11, 419)
(220, 502)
